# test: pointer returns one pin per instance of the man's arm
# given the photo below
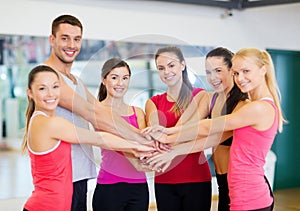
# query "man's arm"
(97, 115)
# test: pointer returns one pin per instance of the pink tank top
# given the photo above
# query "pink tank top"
(248, 189)
(52, 178)
(115, 167)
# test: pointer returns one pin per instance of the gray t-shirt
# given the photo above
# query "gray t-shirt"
(83, 162)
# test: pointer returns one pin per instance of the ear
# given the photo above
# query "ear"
(29, 93)
(263, 70)
(183, 64)
(103, 81)
(51, 39)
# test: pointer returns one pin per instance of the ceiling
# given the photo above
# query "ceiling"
(233, 4)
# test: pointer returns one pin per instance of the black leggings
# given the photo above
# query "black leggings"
(183, 197)
(121, 197)
(79, 197)
(224, 200)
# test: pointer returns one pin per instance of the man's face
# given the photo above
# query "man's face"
(66, 43)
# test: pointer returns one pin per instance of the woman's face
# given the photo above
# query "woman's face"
(247, 74)
(117, 82)
(170, 69)
(45, 91)
(218, 74)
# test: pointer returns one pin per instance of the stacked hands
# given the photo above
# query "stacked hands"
(161, 157)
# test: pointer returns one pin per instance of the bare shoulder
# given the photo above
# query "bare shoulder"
(256, 108)
(42, 125)
(139, 111)
(241, 104)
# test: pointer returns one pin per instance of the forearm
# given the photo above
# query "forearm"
(72, 101)
(197, 110)
(183, 133)
(109, 121)
(200, 144)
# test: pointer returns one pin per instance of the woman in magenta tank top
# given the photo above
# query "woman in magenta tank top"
(121, 183)
(254, 125)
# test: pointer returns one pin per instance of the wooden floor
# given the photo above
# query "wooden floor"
(16, 186)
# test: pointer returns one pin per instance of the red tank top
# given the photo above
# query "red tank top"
(52, 179)
(185, 168)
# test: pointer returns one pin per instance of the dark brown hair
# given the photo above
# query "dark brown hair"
(69, 19)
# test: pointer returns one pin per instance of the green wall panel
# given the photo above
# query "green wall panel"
(287, 143)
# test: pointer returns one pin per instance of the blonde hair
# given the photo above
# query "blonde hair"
(263, 58)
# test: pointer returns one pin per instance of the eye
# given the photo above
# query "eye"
(172, 65)
(160, 69)
(77, 39)
(126, 78)
(207, 72)
(235, 73)
(114, 77)
(246, 71)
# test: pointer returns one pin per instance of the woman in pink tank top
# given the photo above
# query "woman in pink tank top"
(254, 125)
(121, 183)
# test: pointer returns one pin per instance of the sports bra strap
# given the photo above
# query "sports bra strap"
(213, 102)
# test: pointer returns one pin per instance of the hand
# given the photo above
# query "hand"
(161, 146)
(157, 133)
(140, 150)
(160, 161)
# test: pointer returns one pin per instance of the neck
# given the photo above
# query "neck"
(62, 67)
(49, 113)
(173, 92)
(114, 102)
(260, 92)
(227, 91)
(58, 65)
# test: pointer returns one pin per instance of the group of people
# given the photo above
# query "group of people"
(168, 138)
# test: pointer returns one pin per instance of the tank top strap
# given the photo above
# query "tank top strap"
(267, 99)
(133, 108)
(36, 113)
(212, 104)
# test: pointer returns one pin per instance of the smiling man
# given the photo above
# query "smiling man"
(66, 40)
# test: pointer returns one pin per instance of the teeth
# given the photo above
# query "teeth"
(169, 77)
(70, 52)
(216, 83)
(50, 101)
(119, 89)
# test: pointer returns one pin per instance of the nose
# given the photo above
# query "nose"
(71, 43)
(166, 71)
(50, 92)
(120, 81)
(239, 77)
(213, 75)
